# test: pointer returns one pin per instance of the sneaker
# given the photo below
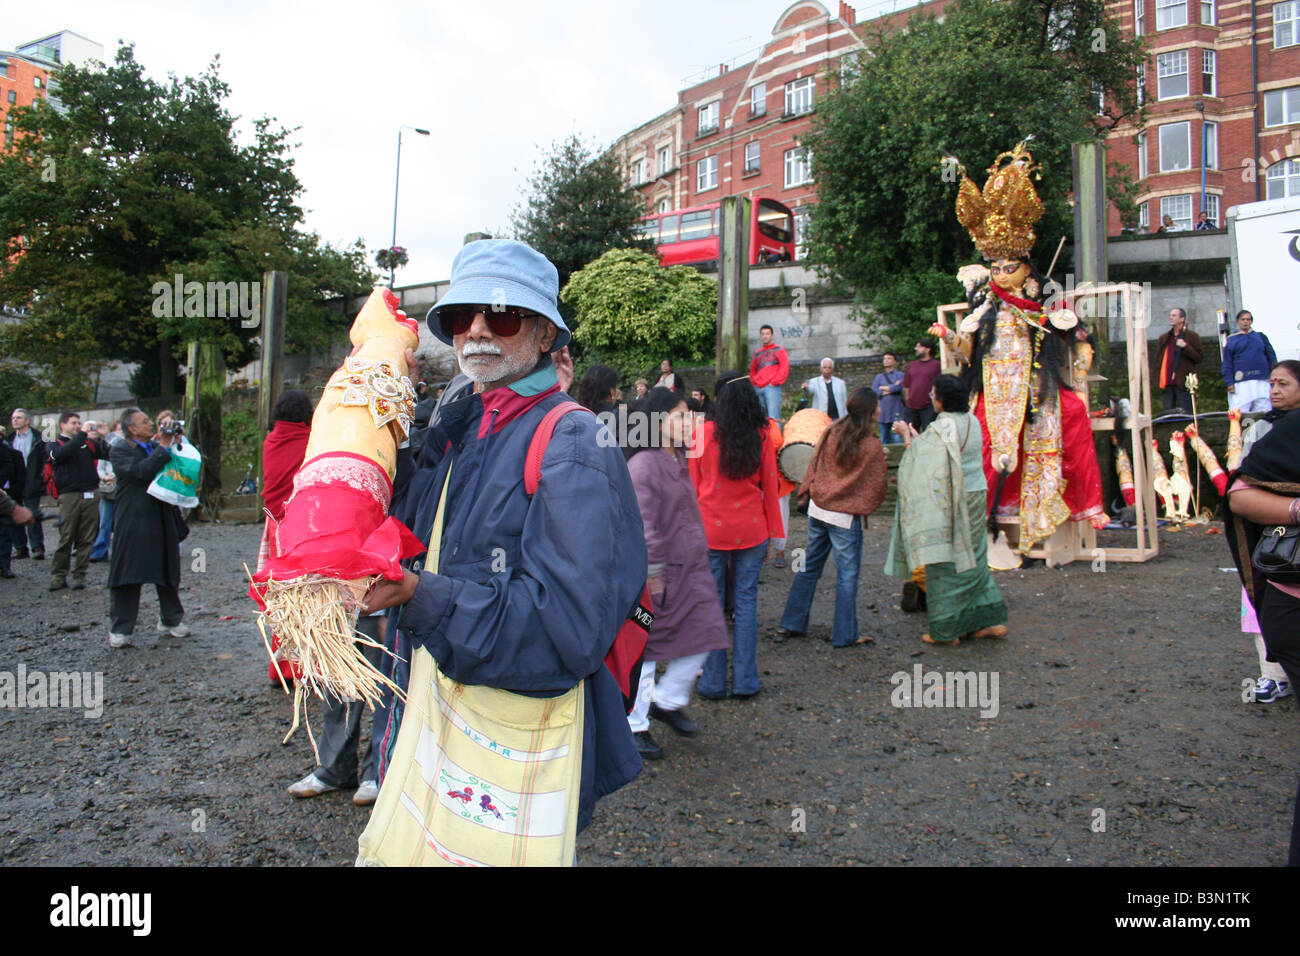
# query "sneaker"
(20, 553)
(77, 585)
(38, 555)
(646, 746)
(367, 793)
(310, 786)
(1268, 690)
(119, 640)
(176, 630)
(58, 585)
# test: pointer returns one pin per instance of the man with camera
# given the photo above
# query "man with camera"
(146, 546)
(76, 477)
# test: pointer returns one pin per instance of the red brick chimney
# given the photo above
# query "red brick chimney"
(847, 13)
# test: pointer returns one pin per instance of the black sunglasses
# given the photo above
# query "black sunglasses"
(504, 321)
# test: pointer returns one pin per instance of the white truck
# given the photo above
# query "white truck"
(1264, 275)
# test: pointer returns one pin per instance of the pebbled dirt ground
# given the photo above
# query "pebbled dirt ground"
(1120, 693)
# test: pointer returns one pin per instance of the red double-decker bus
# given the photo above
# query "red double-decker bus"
(690, 236)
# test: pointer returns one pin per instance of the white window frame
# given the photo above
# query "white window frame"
(1288, 100)
(1209, 72)
(801, 216)
(1286, 27)
(1212, 208)
(798, 167)
(1171, 14)
(1144, 215)
(1139, 15)
(706, 174)
(1211, 134)
(1141, 84)
(638, 171)
(1142, 155)
(665, 206)
(799, 96)
(1172, 206)
(707, 112)
(1185, 128)
(1209, 16)
(1170, 66)
(757, 150)
(663, 159)
(1283, 179)
(758, 99)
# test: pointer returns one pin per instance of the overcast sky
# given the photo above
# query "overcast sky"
(495, 81)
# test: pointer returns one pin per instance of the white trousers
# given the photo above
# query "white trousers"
(672, 692)
(1250, 396)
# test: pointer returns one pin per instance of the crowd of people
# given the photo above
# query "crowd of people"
(99, 475)
(690, 511)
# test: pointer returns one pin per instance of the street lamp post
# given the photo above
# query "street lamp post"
(397, 182)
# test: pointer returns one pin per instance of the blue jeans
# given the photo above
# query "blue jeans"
(847, 545)
(769, 396)
(100, 548)
(887, 436)
(747, 564)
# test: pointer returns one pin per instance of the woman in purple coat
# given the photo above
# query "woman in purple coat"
(688, 619)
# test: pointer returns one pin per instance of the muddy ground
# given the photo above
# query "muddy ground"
(1121, 735)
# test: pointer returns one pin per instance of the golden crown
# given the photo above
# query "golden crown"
(1001, 219)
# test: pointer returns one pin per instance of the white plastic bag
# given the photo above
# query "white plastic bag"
(178, 482)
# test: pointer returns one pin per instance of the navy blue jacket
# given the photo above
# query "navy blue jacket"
(1247, 357)
(531, 592)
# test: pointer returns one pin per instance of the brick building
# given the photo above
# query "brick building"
(1222, 95)
(25, 72)
(737, 130)
(1222, 82)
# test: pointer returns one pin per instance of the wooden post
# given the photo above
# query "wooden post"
(275, 300)
(1090, 260)
(732, 342)
(205, 429)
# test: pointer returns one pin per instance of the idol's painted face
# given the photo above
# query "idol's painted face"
(1009, 274)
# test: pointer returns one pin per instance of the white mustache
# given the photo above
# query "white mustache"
(479, 348)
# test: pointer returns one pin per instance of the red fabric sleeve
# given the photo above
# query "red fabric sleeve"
(771, 491)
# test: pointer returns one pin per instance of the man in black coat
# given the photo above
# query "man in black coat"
(76, 476)
(145, 548)
(27, 441)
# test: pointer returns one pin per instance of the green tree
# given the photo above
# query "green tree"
(579, 207)
(632, 314)
(992, 73)
(131, 183)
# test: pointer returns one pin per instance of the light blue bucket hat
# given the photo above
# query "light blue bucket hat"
(502, 272)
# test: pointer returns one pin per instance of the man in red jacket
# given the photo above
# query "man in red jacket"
(768, 370)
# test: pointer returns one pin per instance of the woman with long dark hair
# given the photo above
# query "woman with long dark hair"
(598, 389)
(734, 470)
(844, 483)
(688, 620)
(940, 523)
(1263, 503)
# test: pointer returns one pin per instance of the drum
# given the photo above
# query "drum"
(802, 433)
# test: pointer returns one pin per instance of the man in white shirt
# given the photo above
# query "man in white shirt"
(829, 393)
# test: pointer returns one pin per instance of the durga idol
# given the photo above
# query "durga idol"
(1019, 348)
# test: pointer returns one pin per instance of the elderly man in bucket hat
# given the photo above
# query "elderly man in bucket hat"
(530, 590)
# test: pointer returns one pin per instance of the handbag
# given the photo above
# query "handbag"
(1277, 553)
(479, 776)
(178, 482)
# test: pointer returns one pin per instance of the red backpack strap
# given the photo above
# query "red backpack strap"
(541, 438)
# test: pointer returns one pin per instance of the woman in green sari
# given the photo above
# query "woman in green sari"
(940, 522)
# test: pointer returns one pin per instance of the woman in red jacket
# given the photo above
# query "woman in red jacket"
(282, 454)
(734, 470)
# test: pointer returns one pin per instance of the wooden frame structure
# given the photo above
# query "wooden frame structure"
(1077, 540)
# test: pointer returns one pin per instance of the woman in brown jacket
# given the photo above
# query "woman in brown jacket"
(845, 482)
